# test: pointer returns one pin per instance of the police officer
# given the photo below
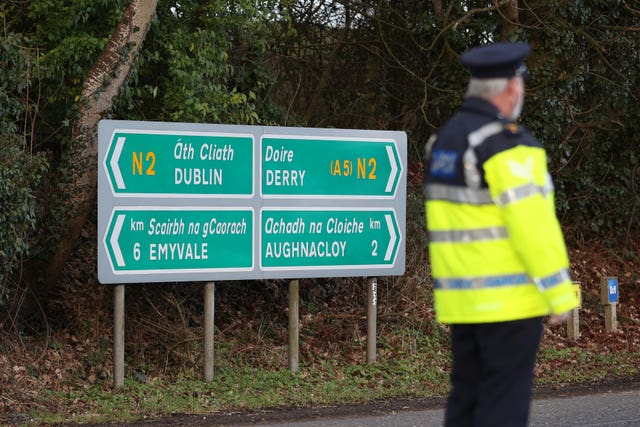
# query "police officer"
(497, 253)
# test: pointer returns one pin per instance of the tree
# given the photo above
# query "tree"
(330, 63)
(20, 168)
(203, 63)
(101, 86)
(398, 68)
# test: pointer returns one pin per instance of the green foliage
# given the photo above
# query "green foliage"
(573, 364)
(397, 68)
(63, 40)
(368, 64)
(239, 386)
(202, 63)
(243, 386)
(15, 65)
(20, 173)
(585, 111)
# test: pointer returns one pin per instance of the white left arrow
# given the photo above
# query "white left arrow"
(392, 237)
(114, 163)
(114, 240)
(394, 169)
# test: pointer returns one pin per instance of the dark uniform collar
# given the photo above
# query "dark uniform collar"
(477, 105)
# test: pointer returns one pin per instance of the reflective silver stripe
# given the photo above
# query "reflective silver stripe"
(458, 194)
(518, 193)
(470, 160)
(527, 190)
(552, 280)
(429, 146)
(465, 236)
(548, 185)
(483, 282)
(543, 283)
(477, 137)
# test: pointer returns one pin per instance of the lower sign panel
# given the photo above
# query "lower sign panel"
(177, 244)
(179, 240)
(328, 239)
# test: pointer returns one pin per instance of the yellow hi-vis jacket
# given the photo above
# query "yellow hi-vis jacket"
(496, 248)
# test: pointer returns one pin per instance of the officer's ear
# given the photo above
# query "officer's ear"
(512, 87)
(515, 88)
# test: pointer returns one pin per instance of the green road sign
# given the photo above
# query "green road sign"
(198, 164)
(329, 167)
(190, 202)
(195, 239)
(328, 238)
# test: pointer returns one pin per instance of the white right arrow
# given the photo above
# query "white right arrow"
(114, 240)
(392, 239)
(114, 163)
(394, 169)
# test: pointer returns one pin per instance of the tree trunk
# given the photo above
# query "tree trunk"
(327, 72)
(101, 86)
(509, 10)
(437, 10)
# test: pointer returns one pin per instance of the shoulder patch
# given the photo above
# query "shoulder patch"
(523, 169)
(443, 163)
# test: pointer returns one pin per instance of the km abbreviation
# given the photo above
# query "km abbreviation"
(137, 225)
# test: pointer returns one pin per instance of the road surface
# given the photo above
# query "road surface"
(617, 405)
(611, 409)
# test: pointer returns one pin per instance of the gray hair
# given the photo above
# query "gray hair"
(486, 88)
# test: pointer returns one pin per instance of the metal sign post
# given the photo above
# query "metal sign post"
(118, 336)
(294, 330)
(209, 315)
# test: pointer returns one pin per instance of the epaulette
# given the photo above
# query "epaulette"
(512, 128)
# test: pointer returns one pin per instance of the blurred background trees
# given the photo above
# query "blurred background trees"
(317, 63)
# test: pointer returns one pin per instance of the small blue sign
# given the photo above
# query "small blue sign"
(612, 289)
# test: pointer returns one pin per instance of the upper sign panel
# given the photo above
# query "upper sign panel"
(329, 168)
(179, 164)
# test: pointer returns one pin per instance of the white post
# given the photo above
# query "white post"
(609, 298)
(372, 304)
